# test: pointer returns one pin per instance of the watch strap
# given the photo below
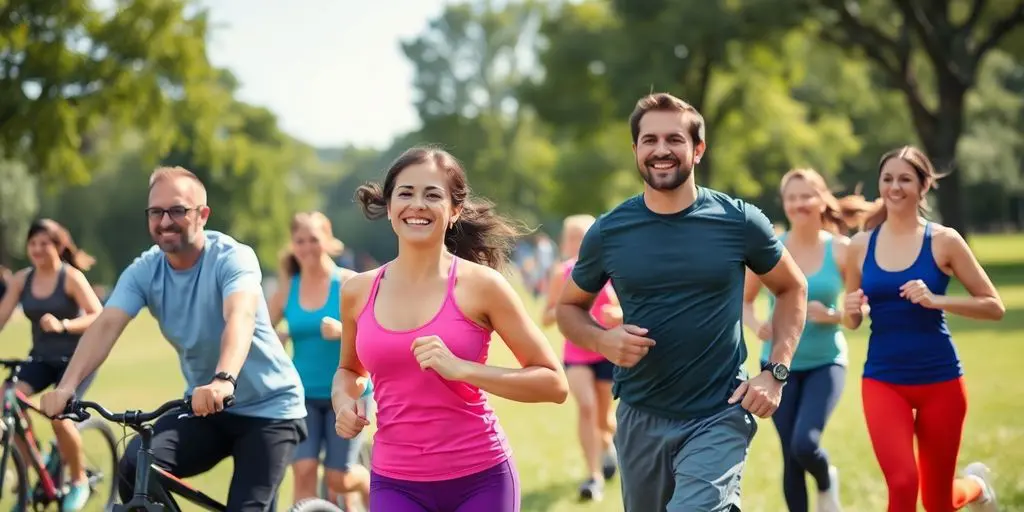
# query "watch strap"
(226, 376)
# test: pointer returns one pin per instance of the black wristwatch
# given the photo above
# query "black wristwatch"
(778, 370)
(226, 376)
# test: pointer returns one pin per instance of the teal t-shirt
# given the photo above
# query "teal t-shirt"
(820, 344)
(189, 306)
(680, 276)
(315, 358)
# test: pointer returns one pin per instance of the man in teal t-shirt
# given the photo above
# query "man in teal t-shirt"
(676, 257)
(204, 289)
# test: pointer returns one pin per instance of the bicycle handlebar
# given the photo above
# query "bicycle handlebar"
(14, 363)
(77, 410)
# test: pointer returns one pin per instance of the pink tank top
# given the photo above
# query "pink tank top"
(573, 354)
(428, 428)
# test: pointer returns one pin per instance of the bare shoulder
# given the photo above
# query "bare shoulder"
(21, 276)
(947, 236)
(859, 241)
(346, 274)
(358, 285)
(481, 278)
(75, 278)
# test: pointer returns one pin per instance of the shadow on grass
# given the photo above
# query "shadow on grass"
(544, 498)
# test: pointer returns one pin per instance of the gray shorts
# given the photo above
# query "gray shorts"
(339, 453)
(693, 465)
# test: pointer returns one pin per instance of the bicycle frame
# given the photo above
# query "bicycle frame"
(15, 425)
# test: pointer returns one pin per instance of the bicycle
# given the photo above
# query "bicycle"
(148, 497)
(51, 485)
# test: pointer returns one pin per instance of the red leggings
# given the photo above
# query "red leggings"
(941, 409)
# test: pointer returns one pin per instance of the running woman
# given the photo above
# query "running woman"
(309, 299)
(589, 373)
(204, 290)
(676, 256)
(818, 373)
(420, 327)
(913, 386)
(57, 298)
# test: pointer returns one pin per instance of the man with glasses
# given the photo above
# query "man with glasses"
(204, 289)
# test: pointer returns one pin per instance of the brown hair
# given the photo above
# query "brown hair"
(855, 208)
(832, 217)
(926, 176)
(664, 102)
(479, 235)
(319, 224)
(61, 239)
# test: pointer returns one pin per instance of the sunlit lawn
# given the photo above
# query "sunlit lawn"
(143, 371)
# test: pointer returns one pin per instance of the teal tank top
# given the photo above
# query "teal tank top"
(315, 358)
(820, 344)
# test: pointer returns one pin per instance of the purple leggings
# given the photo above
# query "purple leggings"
(492, 490)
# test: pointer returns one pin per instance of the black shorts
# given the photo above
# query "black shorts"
(40, 375)
(603, 370)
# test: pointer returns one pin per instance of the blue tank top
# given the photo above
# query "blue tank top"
(315, 358)
(909, 344)
(820, 344)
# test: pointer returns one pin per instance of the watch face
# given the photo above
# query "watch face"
(780, 372)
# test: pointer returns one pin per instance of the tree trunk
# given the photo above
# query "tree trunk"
(940, 134)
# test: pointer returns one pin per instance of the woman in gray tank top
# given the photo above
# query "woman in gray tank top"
(60, 304)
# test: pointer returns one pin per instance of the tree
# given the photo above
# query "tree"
(73, 73)
(18, 205)
(931, 52)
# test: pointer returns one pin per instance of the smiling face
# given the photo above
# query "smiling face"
(307, 244)
(802, 202)
(176, 214)
(901, 186)
(42, 251)
(665, 150)
(420, 207)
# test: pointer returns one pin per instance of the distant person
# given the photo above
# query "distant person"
(204, 290)
(589, 373)
(676, 256)
(58, 300)
(913, 386)
(420, 327)
(308, 297)
(816, 241)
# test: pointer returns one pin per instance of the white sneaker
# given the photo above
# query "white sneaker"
(987, 501)
(828, 501)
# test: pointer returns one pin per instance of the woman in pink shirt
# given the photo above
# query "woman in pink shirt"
(589, 373)
(422, 329)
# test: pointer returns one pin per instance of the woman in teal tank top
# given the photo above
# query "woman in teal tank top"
(818, 370)
(308, 298)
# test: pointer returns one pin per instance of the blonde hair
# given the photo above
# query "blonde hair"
(319, 224)
(832, 217)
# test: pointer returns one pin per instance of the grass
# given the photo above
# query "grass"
(143, 371)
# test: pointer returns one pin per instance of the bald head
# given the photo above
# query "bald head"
(182, 179)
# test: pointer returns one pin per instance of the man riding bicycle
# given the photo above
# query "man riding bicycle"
(204, 289)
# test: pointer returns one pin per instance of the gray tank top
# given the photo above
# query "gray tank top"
(59, 304)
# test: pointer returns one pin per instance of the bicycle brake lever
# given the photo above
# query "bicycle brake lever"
(76, 416)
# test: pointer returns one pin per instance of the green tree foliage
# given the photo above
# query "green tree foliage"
(18, 205)
(73, 73)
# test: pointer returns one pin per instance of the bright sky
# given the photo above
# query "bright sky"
(332, 70)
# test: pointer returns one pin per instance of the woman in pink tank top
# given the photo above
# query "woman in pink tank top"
(422, 329)
(588, 372)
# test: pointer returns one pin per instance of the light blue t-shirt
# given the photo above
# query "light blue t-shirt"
(188, 304)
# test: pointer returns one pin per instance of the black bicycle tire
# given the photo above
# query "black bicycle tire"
(22, 471)
(111, 441)
(314, 505)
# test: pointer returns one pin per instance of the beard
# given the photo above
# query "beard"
(175, 244)
(675, 177)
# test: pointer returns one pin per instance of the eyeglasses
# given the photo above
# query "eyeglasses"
(175, 212)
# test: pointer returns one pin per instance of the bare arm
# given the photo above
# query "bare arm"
(541, 378)
(350, 379)
(751, 288)
(573, 315)
(789, 286)
(276, 303)
(853, 317)
(984, 302)
(94, 346)
(79, 289)
(10, 301)
(239, 328)
(555, 283)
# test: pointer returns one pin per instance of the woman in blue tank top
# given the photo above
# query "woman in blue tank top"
(818, 370)
(308, 298)
(57, 298)
(912, 385)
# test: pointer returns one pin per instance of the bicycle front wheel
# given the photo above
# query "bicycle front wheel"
(100, 448)
(14, 494)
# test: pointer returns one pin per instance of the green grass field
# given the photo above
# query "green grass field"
(143, 371)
